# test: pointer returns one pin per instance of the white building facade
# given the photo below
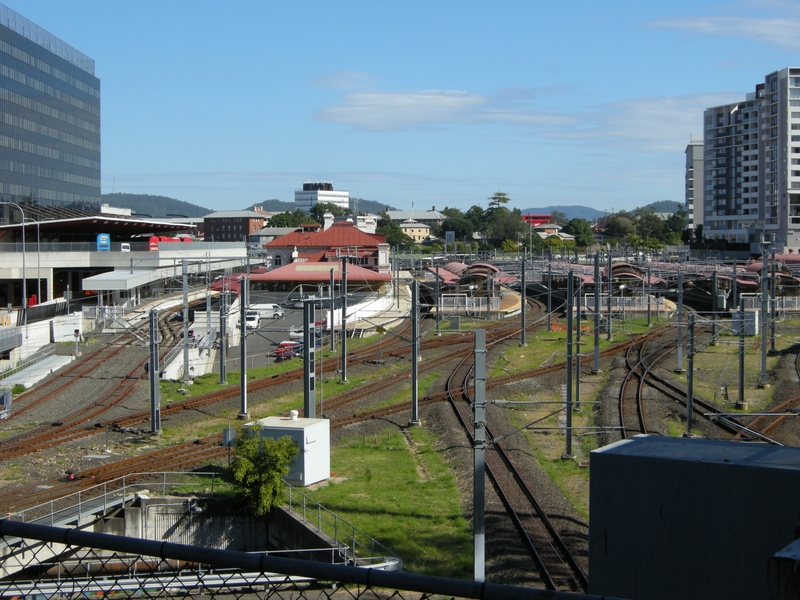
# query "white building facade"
(751, 182)
(694, 182)
(314, 193)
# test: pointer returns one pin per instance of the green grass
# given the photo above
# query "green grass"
(402, 494)
(544, 345)
(717, 367)
(571, 479)
(11, 472)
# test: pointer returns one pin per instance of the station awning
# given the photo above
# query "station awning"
(120, 280)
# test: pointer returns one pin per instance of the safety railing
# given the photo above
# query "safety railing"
(51, 562)
(355, 545)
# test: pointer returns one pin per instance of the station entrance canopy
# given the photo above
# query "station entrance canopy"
(120, 280)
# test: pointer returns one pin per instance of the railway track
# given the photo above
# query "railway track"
(557, 566)
(762, 424)
(47, 437)
(73, 425)
(644, 369)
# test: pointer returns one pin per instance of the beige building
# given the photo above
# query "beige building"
(416, 231)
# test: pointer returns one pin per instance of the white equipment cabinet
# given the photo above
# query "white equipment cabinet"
(313, 437)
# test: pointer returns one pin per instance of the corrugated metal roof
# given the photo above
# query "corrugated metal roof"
(320, 272)
(339, 235)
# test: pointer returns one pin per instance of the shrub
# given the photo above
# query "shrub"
(259, 467)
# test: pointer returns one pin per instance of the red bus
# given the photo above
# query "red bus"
(156, 239)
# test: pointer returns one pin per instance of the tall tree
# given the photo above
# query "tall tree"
(504, 224)
(498, 199)
(581, 230)
(459, 225)
(620, 225)
(319, 209)
(559, 218)
(451, 212)
(290, 219)
(649, 225)
(477, 216)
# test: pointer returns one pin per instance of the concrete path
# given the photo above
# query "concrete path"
(35, 373)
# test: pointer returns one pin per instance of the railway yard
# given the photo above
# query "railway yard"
(90, 422)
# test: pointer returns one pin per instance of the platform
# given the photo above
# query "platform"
(32, 375)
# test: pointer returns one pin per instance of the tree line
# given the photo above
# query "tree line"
(496, 227)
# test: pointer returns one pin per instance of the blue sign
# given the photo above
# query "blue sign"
(103, 242)
(449, 237)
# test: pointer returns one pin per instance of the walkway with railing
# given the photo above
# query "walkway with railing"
(56, 562)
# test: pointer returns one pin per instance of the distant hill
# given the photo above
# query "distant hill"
(364, 206)
(273, 206)
(155, 206)
(162, 206)
(572, 212)
(664, 206)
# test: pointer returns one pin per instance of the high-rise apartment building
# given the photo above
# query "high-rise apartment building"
(49, 117)
(694, 189)
(752, 165)
(317, 193)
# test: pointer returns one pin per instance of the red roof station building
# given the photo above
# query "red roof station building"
(308, 255)
(536, 220)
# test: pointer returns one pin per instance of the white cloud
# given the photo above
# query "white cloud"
(644, 124)
(779, 31)
(381, 111)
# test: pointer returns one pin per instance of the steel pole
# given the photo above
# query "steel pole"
(244, 298)
(223, 338)
(185, 277)
(479, 457)
(309, 360)
(414, 353)
(522, 340)
(331, 328)
(597, 287)
(764, 319)
(679, 369)
(608, 275)
(578, 350)
(714, 306)
(568, 450)
(344, 319)
(741, 403)
(549, 296)
(690, 380)
(153, 368)
(649, 285)
(438, 303)
(773, 304)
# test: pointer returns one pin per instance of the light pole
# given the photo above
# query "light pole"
(38, 262)
(24, 288)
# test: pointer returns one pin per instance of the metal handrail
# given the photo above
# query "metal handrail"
(345, 535)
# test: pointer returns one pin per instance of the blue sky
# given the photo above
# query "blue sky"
(432, 103)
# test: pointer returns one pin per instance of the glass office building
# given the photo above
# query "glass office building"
(49, 117)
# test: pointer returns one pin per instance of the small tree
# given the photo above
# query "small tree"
(259, 467)
(510, 246)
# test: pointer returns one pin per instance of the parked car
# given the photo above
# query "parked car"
(252, 319)
(268, 311)
(288, 349)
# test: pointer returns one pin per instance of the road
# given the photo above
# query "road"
(261, 342)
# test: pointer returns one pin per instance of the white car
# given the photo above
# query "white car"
(252, 320)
